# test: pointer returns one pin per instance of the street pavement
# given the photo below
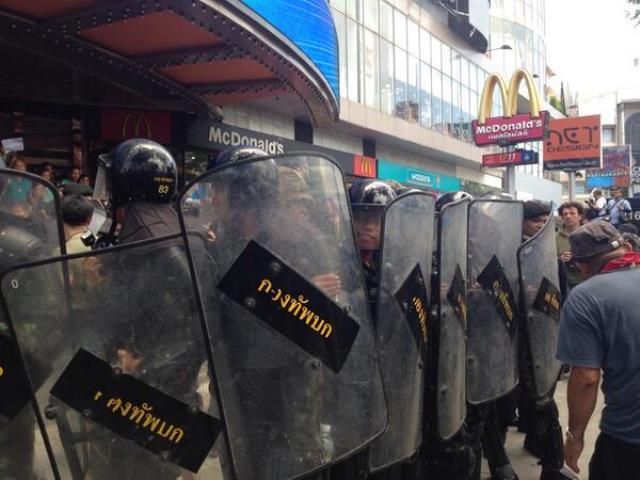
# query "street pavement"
(526, 465)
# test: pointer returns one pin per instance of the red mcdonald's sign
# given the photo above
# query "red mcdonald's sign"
(365, 166)
(119, 124)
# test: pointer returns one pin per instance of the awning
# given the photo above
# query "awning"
(189, 55)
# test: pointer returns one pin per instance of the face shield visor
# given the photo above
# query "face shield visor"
(101, 187)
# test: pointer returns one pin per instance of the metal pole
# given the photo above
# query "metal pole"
(510, 179)
(572, 186)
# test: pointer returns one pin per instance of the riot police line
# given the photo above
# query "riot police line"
(269, 317)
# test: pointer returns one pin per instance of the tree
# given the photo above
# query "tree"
(633, 13)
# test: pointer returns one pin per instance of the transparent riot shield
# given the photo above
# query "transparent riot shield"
(537, 261)
(30, 229)
(285, 301)
(495, 230)
(403, 323)
(121, 358)
(451, 324)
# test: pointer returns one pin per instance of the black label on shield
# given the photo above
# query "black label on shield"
(136, 411)
(412, 298)
(14, 387)
(283, 299)
(548, 299)
(14, 391)
(457, 297)
(495, 283)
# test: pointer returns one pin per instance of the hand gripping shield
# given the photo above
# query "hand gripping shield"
(124, 360)
(495, 229)
(30, 229)
(537, 261)
(451, 324)
(296, 369)
(403, 323)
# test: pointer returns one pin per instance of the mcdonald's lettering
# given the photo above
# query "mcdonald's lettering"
(512, 127)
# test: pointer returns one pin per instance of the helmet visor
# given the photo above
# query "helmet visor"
(101, 186)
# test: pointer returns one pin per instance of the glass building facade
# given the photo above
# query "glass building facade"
(521, 25)
(390, 63)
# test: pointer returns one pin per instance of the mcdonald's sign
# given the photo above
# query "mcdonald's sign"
(365, 166)
(119, 124)
(512, 127)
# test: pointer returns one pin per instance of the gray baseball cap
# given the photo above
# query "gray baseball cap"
(594, 238)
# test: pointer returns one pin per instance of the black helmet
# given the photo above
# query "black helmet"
(368, 194)
(451, 197)
(237, 154)
(139, 170)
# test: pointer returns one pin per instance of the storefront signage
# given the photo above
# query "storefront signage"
(517, 157)
(219, 136)
(417, 178)
(573, 144)
(615, 168)
(512, 127)
(365, 166)
(118, 124)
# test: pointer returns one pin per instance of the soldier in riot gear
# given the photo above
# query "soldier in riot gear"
(26, 235)
(281, 391)
(492, 362)
(448, 452)
(539, 371)
(141, 181)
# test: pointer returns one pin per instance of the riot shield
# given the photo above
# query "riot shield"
(291, 335)
(30, 228)
(403, 323)
(121, 357)
(495, 229)
(451, 324)
(537, 261)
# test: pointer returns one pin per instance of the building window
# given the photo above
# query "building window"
(371, 70)
(425, 95)
(386, 76)
(400, 29)
(608, 135)
(371, 14)
(353, 60)
(400, 81)
(413, 92)
(386, 21)
(413, 33)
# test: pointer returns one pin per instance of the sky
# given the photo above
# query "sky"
(591, 44)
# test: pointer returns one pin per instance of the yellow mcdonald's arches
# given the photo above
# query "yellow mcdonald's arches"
(509, 95)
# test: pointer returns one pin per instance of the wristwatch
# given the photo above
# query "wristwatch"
(573, 437)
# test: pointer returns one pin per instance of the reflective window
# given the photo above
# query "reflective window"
(352, 60)
(436, 99)
(464, 71)
(401, 81)
(413, 90)
(386, 76)
(400, 28)
(352, 8)
(446, 104)
(386, 20)
(413, 33)
(371, 14)
(425, 46)
(425, 95)
(436, 53)
(339, 5)
(371, 70)
(446, 59)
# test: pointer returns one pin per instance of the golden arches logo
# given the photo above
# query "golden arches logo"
(136, 121)
(365, 166)
(509, 95)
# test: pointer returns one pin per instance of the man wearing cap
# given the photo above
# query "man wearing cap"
(600, 332)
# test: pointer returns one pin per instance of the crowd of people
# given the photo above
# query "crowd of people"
(596, 252)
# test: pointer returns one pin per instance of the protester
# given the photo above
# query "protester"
(596, 205)
(600, 332)
(618, 207)
(572, 215)
(18, 188)
(74, 176)
(76, 215)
